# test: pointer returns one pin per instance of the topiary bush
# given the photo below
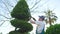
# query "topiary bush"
(23, 25)
(21, 14)
(16, 32)
(53, 29)
(21, 11)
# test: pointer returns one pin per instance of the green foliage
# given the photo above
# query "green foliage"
(50, 17)
(16, 32)
(21, 11)
(23, 25)
(21, 14)
(53, 29)
(18, 23)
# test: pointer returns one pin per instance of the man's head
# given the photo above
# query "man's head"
(41, 18)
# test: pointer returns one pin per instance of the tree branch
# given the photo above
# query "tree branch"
(40, 5)
(12, 5)
(5, 16)
(4, 20)
(2, 23)
(6, 6)
(35, 4)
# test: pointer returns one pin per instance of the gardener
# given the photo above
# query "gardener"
(40, 24)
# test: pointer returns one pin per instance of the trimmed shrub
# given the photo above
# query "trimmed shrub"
(16, 32)
(21, 11)
(23, 25)
(21, 14)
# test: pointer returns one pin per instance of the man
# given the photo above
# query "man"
(40, 24)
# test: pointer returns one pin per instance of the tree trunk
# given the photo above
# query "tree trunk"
(50, 21)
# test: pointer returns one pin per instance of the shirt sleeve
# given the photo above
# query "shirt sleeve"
(36, 22)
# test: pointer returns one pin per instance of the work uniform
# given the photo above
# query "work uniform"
(40, 27)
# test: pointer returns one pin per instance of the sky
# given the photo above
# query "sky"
(43, 5)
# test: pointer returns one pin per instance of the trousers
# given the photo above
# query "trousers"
(41, 32)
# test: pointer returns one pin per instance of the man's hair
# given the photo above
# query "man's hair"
(43, 17)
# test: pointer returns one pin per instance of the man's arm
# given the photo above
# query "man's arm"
(32, 21)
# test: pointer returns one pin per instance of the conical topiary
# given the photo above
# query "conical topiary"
(21, 11)
(21, 14)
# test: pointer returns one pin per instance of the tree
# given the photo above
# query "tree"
(50, 17)
(9, 5)
(21, 16)
(53, 29)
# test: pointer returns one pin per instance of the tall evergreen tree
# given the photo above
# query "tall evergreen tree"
(21, 14)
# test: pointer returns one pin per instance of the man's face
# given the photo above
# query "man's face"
(40, 19)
